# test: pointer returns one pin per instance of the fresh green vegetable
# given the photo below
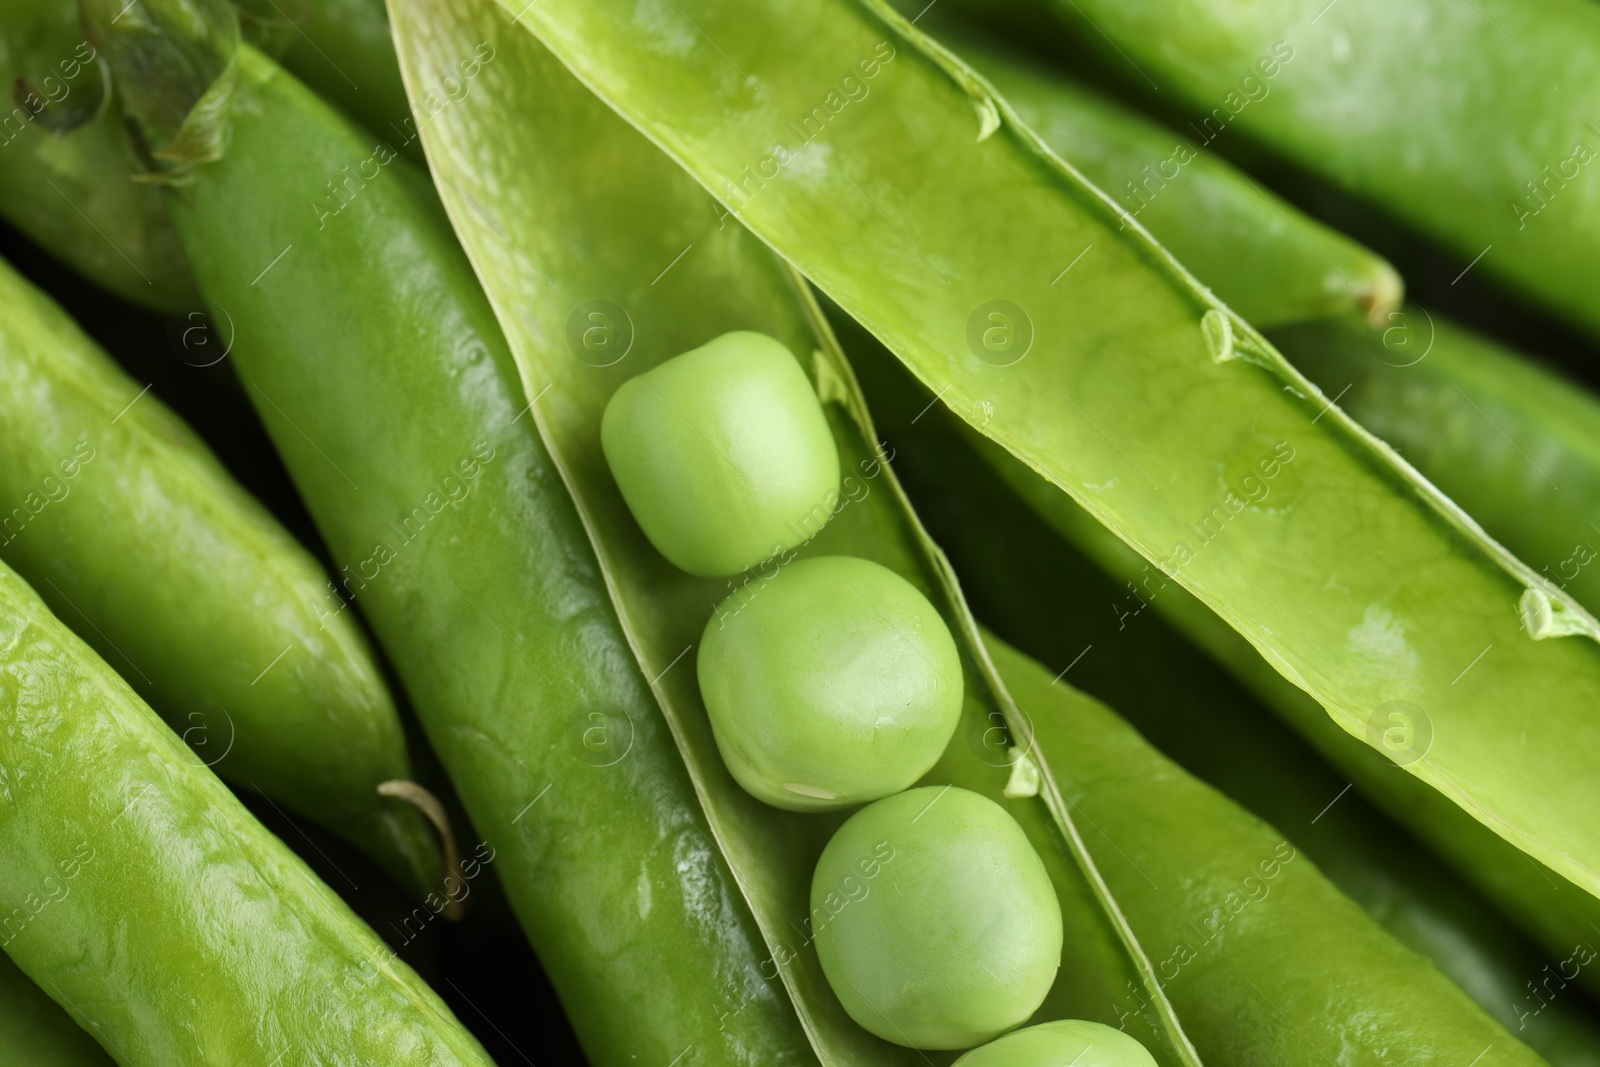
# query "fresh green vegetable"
(1358, 580)
(66, 177)
(35, 1031)
(1517, 446)
(834, 684)
(341, 50)
(566, 236)
(963, 942)
(151, 906)
(1261, 255)
(130, 528)
(1230, 895)
(1070, 1041)
(1110, 637)
(403, 424)
(722, 453)
(1471, 122)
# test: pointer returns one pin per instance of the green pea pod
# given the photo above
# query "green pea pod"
(1262, 256)
(918, 201)
(342, 50)
(1501, 171)
(34, 1030)
(627, 254)
(131, 529)
(378, 368)
(70, 189)
(733, 282)
(1516, 445)
(1058, 606)
(1242, 880)
(146, 900)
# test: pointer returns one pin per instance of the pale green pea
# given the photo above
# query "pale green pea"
(935, 921)
(723, 454)
(832, 684)
(1068, 1041)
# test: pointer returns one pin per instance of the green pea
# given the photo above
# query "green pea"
(1068, 1041)
(935, 921)
(833, 684)
(723, 454)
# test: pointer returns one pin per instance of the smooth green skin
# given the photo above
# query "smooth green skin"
(723, 454)
(1515, 444)
(71, 193)
(1239, 911)
(835, 685)
(1438, 113)
(964, 941)
(384, 365)
(36, 1031)
(1042, 594)
(1358, 581)
(1261, 255)
(135, 533)
(154, 908)
(520, 163)
(1056, 1044)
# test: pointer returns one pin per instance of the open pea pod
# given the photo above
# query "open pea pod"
(602, 259)
(1107, 637)
(1515, 444)
(1261, 255)
(1473, 122)
(563, 208)
(896, 179)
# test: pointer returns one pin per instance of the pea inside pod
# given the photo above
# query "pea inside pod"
(835, 684)
(962, 938)
(723, 454)
(1074, 1042)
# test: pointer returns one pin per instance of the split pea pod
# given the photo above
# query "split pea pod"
(134, 533)
(1042, 594)
(1515, 444)
(143, 897)
(399, 413)
(35, 1030)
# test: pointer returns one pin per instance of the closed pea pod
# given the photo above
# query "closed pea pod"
(471, 564)
(147, 901)
(35, 1030)
(131, 529)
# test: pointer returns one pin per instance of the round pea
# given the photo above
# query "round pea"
(1069, 1041)
(833, 684)
(935, 921)
(723, 454)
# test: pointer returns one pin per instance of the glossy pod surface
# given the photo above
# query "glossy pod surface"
(142, 895)
(723, 454)
(1071, 1041)
(134, 533)
(837, 684)
(377, 364)
(964, 941)
(1494, 114)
